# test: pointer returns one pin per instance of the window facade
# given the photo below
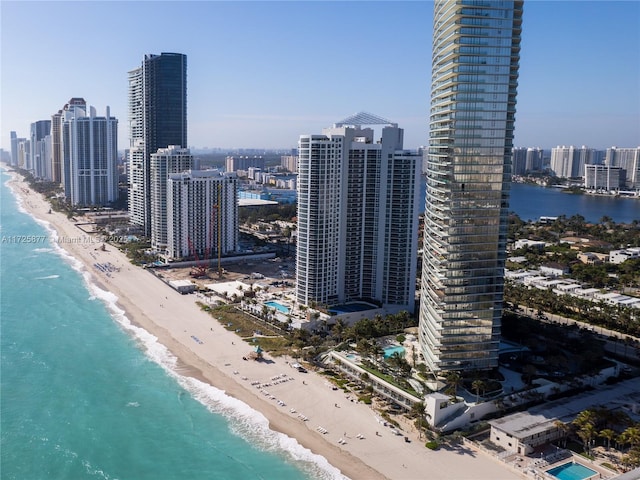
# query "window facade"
(475, 69)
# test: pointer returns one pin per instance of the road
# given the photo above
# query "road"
(618, 343)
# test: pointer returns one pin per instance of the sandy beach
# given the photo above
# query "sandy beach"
(302, 406)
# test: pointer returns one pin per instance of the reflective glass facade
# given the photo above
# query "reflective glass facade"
(157, 119)
(476, 50)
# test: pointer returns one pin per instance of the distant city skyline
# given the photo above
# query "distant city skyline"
(262, 73)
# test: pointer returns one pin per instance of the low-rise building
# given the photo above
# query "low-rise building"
(620, 256)
(592, 258)
(554, 269)
(529, 244)
(522, 432)
(183, 286)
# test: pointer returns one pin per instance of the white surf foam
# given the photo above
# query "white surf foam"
(244, 421)
(254, 427)
(48, 277)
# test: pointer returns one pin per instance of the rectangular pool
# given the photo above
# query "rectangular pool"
(572, 471)
(277, 306)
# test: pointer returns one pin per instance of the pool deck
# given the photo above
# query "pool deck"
(531, 467)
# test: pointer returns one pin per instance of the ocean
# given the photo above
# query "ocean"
(86, 395)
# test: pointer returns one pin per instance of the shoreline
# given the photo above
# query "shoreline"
(215, 358)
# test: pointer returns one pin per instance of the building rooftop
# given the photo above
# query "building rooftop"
(541, 418)
(364, 118)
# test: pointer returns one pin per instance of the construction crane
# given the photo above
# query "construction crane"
(216, 220)
(199, 269)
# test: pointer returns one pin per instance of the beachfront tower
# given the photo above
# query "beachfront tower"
(157, 119)
(357, 216)
(164, 162)
(40, 149)
(90, 150)
(60, 172)
(14, 149)
(202, 215)
(476, 50)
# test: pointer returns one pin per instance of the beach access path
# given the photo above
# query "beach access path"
(302, 406)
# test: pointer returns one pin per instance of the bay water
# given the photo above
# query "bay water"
(530, 202)
(86, 395)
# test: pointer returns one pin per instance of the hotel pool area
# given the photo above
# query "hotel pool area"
(278, 306)
(572, 471)
(391, 350)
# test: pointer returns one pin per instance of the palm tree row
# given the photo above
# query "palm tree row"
(605, 424)
(621, 319)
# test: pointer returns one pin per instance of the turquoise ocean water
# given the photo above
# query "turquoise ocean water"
(85, 395)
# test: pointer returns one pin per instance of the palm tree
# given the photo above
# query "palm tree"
(418, 409)
(585, 425)
(338, 329)
(608, 435)
(631, 436)
(454, 380)
(584, 418)
(586, 434)
(563, 428)
(395, 360)
(478, 386)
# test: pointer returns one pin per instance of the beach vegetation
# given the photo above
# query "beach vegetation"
(432, 445)
(398, 382)
(385, 416)
(417, 410)
(138, 252)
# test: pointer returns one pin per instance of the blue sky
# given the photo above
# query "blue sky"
(262, 73)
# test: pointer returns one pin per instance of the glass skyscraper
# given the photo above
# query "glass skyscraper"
(476, 50)
(157, 119)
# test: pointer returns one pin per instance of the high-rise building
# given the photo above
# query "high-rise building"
(628, 159)
(242, 162)
(289, 162)
(527, 160)
(519, 161)
(357, 216)
(569, 162)
(90, 150)
(59, 171)
(535, 159)
(14, 149)
(476, 52)
(24, 150)
(157, 119)
(40, 162)
(164, 162)
(202, 214)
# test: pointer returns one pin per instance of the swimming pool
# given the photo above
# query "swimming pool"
(572, 471)
(391, 350)
(278, 306)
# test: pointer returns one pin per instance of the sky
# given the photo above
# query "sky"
(261, 73)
